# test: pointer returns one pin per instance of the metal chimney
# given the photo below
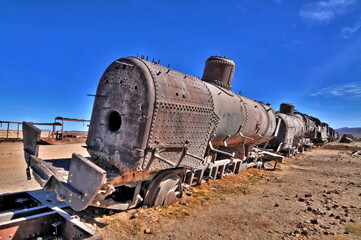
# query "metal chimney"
(287, 108)
(219, 71)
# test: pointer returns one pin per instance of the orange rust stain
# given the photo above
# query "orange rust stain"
(8, 233)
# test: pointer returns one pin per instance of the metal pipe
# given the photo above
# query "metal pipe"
(240, 133)
(62, 129)
(7, 132)
(155, 154)
(279, 147)
(219, 151)
(52, 134)
(225, 140)
(250, 165)
(258, 165)
(259, 135)
(265, 145)
(194, 156)
(277, 127)
(101, 96)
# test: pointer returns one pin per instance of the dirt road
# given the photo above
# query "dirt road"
(313, 196)
(12, 163)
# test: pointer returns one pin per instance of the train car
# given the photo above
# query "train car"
(334, 135)
(331, 134)
(153, 129)
(299, 131)
(310, 132)
(321, 132)
(291, 131)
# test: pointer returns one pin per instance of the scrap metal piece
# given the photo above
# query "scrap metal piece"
(346, 138)
(183, 113)
(31, 135)
(41, 216)
(31, 139)
(356, 153)
(86, 178)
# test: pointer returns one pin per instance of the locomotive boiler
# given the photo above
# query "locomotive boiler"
(291, 131)
(322, 132)
(152, 129)
(149, 117)
(299, 131)
(310, 130)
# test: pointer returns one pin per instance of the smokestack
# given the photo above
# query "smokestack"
(287, 108)
(219, 71)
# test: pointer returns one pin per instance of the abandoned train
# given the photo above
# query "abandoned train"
(154, 129)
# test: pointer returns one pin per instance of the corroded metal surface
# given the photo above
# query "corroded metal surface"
(182, 119)
(244, 122)
(150, 122)
(291, 132)
(310, 125)
(167, 118)
(122, 115)
(321, 131)
(149, 118)
(287, 108)
(39, 215)
(219, 71)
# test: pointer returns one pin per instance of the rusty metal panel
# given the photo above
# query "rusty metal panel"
(231, 114)
(121, 117)
(243, 122)
(183, 114)
(310, 130)
(31, 139)
(219, 71)
(86, 178)
(292, 129)
(259, 124)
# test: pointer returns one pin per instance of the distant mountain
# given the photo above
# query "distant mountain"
(354, 131)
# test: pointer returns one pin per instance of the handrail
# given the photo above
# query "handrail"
(219, 151)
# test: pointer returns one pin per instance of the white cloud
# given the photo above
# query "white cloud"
(326, 10)
(342, 90)
(347, 32)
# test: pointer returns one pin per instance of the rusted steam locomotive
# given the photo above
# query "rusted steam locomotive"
(153, 129)
(298, 132)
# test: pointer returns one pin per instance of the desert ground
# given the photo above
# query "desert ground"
(316, 195)
(14, 134)
(12, 163)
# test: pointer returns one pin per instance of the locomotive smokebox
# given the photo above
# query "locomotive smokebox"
(219, 71)
(287, 108)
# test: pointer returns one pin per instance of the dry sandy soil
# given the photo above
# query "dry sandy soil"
(313, 196)
(12, 163)
(14, 134)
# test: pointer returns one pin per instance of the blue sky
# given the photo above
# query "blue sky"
(308, 53)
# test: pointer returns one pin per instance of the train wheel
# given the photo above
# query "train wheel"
(165, 189)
